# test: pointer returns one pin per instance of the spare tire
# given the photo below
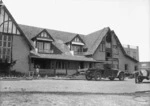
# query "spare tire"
(144, 73)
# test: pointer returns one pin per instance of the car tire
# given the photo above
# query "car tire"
(121, 76)
(97, 76)
(140, 80)
(88, 76)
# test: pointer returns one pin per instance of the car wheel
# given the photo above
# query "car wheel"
(88, 76)
(140, 80)
(121, 76)
(111, 78)
(97, 76)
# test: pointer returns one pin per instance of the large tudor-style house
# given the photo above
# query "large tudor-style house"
(57, 52)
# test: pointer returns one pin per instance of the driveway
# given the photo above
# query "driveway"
(105, 86)
(74, 93)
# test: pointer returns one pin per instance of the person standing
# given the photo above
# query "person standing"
(37, 71)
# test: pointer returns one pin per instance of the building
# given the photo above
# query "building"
(144, 65)
(58, 52)
(132, 51)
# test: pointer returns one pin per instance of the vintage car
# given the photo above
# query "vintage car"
(98, 73)
(141, 75)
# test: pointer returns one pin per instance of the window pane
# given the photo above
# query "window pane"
(5, 37)
(18, 32)
(1, 28)
(2, 16)
(14, 29)
(8, 52)
(9, 38)
(40, 46)
(9, 44)
(47, 47)
(4, 51)
(6, 17)
(5, 26)
(10, 27)
(0, 37)
(4, 44)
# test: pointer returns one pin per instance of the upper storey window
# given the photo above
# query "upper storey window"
(8, 28)
(43, 42)
(44, 47)
(77, 45)
(6, 23)
(108, 41)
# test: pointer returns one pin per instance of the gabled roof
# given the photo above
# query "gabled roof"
(125, 54)
(94, 39)
(17, 26)
(50, 37)
(31, 31)
(81, 38)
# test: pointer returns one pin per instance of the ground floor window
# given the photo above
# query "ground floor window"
(126, 67)
(60, 65)
(136, 68)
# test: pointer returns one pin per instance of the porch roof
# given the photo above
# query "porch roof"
(61, 57)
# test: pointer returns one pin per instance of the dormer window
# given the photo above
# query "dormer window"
(77, 45)
(43, 42)
(44, 47)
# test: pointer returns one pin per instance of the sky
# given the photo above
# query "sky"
(130, 19)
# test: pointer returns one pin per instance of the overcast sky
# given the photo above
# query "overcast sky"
(130, 19)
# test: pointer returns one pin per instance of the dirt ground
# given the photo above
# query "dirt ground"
(45, 92)
(44, 99)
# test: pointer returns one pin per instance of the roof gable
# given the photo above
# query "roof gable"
(9, 25)
(43, 35)
(122, 49)
(78, 40)
(31, 31)
(94, 39)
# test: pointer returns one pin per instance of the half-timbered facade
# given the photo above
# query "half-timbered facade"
(57, 52)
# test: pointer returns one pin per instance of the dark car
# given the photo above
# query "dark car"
(141, 75)
(97, 74)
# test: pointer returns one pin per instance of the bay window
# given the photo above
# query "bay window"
(5, 47)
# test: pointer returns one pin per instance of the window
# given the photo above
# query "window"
(77, 49)
(77, 39)
(126, 67)
(5, 47)
(102, 47)
(108, 38)
(44, 47)
(136, 68)
(44, 35)
(60, 65)
(6, 23)
(108, 54)
(115, 49)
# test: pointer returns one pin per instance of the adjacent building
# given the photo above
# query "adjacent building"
(132, 51)
(144, 65)
(57, 52)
